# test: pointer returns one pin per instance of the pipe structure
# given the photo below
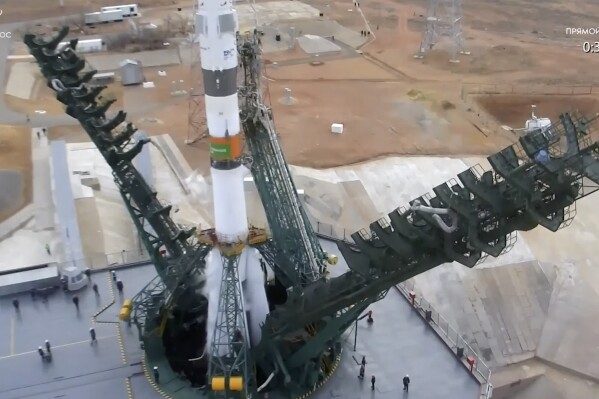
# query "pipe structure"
(417, 207)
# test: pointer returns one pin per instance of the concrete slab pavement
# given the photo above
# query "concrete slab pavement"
(399, 342)
(78, 369)
(42, 184)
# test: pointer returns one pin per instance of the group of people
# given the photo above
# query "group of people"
(47, 356)
(406, 379)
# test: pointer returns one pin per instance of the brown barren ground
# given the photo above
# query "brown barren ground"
(15, 154)
(513, 110)
(45, 99)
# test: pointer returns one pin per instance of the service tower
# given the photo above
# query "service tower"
(230, 294)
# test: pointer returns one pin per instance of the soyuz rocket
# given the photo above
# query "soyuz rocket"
(217, 26)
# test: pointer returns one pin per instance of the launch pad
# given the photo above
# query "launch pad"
(302, 334)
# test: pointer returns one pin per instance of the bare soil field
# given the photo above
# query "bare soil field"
(44, 99)
(23, 10)
(390, 102)
(379, 119)
(513, 110)
(15, 155)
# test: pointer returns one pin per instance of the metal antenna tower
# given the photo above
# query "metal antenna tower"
(196, 127)
(443, 19)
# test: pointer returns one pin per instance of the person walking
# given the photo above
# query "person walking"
(372, 381)
(156, 375)
(364, 361)
(92, 334)
(15, 303)
(406, 383)
(76, 302)
(48, 348)
(95, 288)
(48, 249)
(361, 376)
(40, 351)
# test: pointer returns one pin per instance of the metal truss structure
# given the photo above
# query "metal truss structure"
(196, 128)
(298, 255)
(443, 19)
(229, 352)
(532, 183)
(178, 259)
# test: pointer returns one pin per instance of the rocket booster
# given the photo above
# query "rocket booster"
(216, 26)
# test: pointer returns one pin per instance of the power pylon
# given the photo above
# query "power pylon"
(196, 128)
(443, 19)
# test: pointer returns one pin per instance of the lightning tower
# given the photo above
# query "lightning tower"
(196, 127)
(443, 19)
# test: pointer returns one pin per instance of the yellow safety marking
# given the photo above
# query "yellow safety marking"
(12, 335)
(150, 377)
(121, 344)
(163, 323)
(128, 387)
(56, 347)
(324, 381)
(113, 300)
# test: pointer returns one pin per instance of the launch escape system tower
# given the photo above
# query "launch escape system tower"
(212, 320)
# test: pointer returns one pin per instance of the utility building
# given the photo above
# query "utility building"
(131, 72)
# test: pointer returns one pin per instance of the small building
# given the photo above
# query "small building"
(131, 72)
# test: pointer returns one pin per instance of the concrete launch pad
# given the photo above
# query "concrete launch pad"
(112, 368)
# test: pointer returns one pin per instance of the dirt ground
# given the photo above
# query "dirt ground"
(15, 155)
(24, 10)
(390, 102)
(512, 110)
(44, 99)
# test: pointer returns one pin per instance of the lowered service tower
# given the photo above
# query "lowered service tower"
(235, 282)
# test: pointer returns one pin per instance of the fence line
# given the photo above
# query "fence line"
(103, 261)
(448, 333)
(451, 336)
(527, 89)
(487, 124)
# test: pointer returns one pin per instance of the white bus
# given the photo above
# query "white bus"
(129, 10)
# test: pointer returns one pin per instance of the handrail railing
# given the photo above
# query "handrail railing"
(104, 261)
(446, 331)
(456, 342)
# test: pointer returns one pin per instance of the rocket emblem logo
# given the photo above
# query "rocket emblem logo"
(228, 53)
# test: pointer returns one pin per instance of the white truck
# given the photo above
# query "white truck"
(103, 17)
(128, 10)
(42, 278)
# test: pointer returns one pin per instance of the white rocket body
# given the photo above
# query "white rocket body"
(216, 26)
